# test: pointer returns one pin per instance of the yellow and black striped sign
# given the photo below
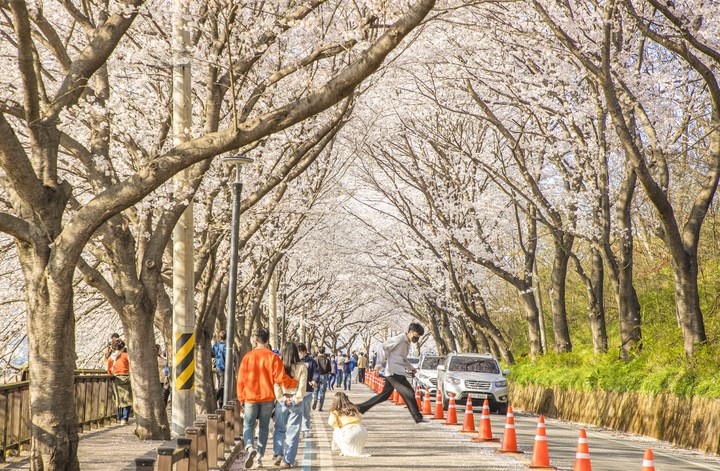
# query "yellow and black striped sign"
(184, 361)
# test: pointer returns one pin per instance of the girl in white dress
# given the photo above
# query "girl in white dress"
(349, 434)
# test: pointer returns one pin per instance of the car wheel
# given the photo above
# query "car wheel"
(502, 410)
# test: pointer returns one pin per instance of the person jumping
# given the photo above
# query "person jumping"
(394, 352)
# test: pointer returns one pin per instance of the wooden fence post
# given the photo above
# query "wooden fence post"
(192, 434)
(165, 458)
(185, 444)
(237, 415)
(221, 434)
(213, 442)
(202, 444)
(229, 432)
(144, 464)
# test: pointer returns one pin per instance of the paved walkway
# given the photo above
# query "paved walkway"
(396, 442)
(110, 448)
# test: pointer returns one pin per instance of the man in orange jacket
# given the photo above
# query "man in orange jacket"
(260, 370)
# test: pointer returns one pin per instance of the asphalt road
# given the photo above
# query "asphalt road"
(609, 450)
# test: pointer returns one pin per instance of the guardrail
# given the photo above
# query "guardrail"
(93, 404)
(204, 446)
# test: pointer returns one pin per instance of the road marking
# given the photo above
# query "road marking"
(322, 446)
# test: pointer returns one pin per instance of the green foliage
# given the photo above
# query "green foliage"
(661, 365)
(646, 373)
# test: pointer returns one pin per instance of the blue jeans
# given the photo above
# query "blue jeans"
(339, 378)
(347, 380)
(287, 431)
(319, 393)
(123, 413)
(255, 411)
(306, 412)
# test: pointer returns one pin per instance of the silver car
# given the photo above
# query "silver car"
(474, 375)
(426, 376)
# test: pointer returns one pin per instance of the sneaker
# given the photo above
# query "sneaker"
(259, 463)
(314, 405)
(277, 460)
(123, 422)
(320, 410)
(251, 453)
(421, 420)
(285, 464)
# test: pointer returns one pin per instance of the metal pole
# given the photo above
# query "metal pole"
(284, 319)
(183, 392)
(232, 290)
(272, 309)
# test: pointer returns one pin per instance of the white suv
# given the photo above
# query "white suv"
(426, 376)
(474, 375)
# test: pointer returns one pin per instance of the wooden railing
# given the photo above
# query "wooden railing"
(93, 404)
(208, 442)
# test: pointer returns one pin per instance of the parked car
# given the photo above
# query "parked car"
(426, 376)
(473, 375)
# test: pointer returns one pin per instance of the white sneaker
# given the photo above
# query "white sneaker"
(123, 422)
(259, 463)
(250, 454)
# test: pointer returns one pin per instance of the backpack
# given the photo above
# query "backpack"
(324, 365)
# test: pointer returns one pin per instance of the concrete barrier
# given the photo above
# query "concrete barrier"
(689, 423)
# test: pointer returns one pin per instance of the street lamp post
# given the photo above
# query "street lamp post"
(237, 161)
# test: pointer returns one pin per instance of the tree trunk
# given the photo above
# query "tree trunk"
(446, 331)
(563, 245)
(596, 308)
(483, 343)
(531, 317)
(468, 335)
(204, 379)
(51, 337)
(439, 340)
(687, 302)
(148, 406)
(626, 297)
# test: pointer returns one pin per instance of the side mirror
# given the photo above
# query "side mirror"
(506, 372)
(441, 368)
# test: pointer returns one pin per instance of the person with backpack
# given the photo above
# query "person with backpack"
(325, 368)
(218, 358)
(312, 382)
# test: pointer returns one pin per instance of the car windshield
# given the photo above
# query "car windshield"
(413, 360)
(474, 365)
(431, 363)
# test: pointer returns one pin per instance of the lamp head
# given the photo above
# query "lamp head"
(237, 159)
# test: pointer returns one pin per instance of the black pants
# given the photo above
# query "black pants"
(361, 375)
(401, 384)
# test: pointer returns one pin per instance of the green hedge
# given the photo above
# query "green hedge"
(649, 372)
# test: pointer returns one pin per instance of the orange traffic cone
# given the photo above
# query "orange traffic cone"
(452, 412)
(540, 455)
(427, 407)
(394, 396)
(469, 422)
(582, 456)
(509, 440)
(485, 432)
(648, 461)
(418, 399)
(439, 412)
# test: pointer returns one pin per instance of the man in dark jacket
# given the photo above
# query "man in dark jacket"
(324, 368)
(313, 377)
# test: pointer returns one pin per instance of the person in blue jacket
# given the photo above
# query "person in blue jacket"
(218, 358)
